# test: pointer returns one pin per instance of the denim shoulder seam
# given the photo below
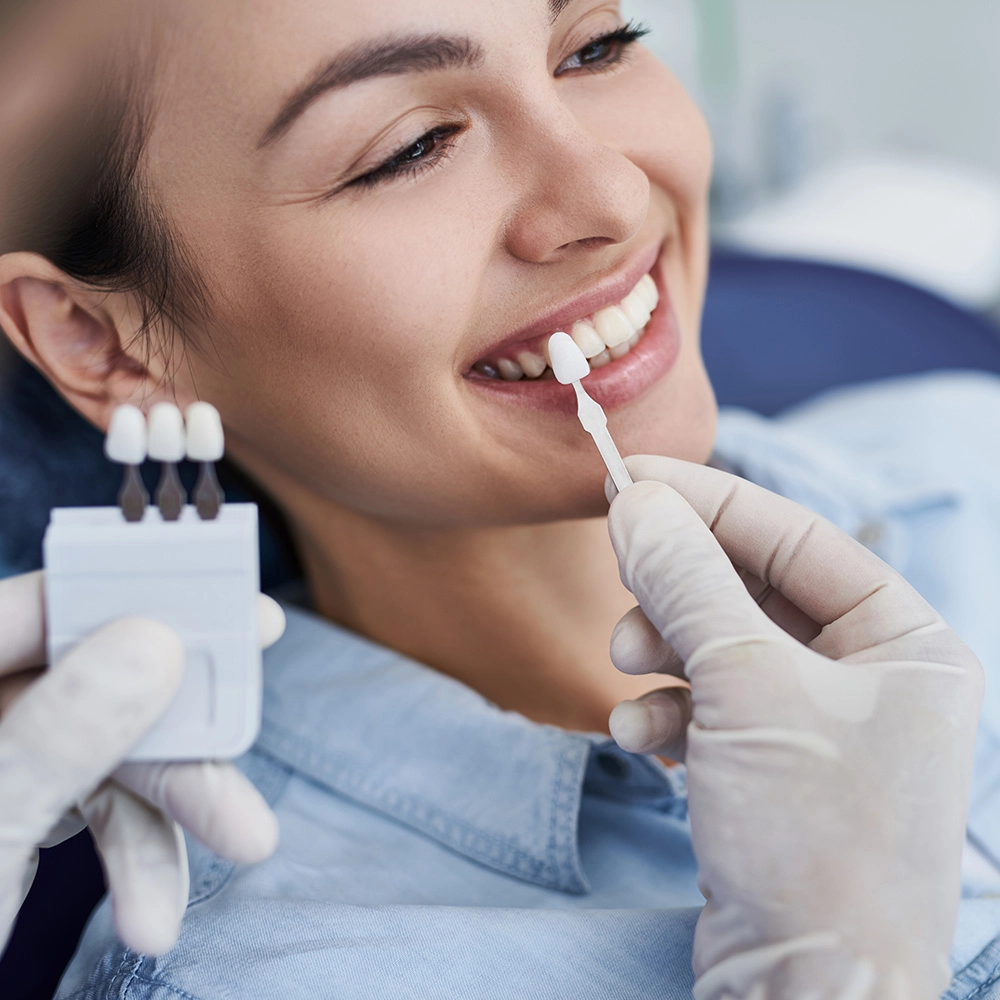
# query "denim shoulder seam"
(986, 963)
(159, 984)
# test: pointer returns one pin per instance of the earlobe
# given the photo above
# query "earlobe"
(63, 331)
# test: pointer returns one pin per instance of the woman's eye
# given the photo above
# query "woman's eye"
(603, 51)
(430, 148)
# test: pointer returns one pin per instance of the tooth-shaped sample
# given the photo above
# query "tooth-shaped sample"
(166, 433)
(613, 326)
(568, 361)
(205, 444)
(126, 440)
(126, 444)
(510, 371)
(587, 338)
(532, 364)
(205, 441)
(600, 360)
(635, 308)
(167, 444)
(650, 293)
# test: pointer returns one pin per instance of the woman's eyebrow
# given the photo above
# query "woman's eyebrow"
(389, 57)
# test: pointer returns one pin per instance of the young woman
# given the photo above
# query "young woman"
(352, 226)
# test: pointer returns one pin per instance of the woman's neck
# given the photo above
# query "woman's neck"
(521, 614)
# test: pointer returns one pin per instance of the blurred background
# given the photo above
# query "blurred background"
(860, 132)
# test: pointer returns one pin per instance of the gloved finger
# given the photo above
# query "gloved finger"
(145, 863)
(22, 622)
(682, 579)
(655, 723)
(69, 825)
(779, 608)
(270, 621)
(638, 648)
(820, 569)
(213, 801)
(74, 725)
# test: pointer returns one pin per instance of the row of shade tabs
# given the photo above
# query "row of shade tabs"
(167, 436)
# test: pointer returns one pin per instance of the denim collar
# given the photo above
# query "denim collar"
(395, 736)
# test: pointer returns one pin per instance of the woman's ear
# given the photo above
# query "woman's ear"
(74, 335)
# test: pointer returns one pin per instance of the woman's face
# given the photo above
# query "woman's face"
(389, 202)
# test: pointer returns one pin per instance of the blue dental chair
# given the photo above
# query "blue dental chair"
(775, 332)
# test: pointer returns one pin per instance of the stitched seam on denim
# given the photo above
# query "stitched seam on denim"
(986, 958)
(271, 778)
(496, 852)
(563, 840)
(165, 986)
(119, 982)
(982, 986)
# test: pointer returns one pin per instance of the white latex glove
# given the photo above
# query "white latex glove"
(64, 731)
(829, 749)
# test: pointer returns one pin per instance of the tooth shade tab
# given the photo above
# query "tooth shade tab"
(126, 440)
(205, 439)
(613, 326)
(166, 433)
(587, 339)
(568, 361)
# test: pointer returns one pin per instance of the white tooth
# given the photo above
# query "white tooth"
(587, 339)
(613, 326)
(620, 351)
(509, 370)
(632, 341)
(600, 360)
(635, 308)
(532, 364)
(647, 288)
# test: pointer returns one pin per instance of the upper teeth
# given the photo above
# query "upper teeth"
(612, 333)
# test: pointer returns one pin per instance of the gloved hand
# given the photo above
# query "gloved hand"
(64, 732)
(829, 749)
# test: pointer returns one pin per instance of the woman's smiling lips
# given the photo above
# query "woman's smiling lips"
(616, 382)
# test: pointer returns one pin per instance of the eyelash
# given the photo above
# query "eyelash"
(410, 160)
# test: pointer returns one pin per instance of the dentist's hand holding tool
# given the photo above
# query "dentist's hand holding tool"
(63, 735)
(829, 733)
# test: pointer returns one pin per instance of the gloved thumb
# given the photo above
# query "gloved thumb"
(684, 581)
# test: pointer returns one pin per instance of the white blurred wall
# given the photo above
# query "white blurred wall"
(851, 74)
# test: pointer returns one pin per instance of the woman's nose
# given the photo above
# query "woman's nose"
(573, 193)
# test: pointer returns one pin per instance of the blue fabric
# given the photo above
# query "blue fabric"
(776, 332)
(435, 846)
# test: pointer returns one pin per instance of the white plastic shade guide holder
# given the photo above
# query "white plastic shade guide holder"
(199, 577)
(167, 445)
(205, 445)
(126, 443)
(570, 366)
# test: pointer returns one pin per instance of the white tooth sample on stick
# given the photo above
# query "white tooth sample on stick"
(570, 366)
(126, 444)
(167, 445)
(205, 445)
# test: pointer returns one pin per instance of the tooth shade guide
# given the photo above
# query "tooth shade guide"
(166, 433)
(568, 361)
(126, 441)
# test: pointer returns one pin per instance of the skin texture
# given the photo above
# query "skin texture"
(431, 515)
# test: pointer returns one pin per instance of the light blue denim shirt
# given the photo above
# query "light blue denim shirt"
(433, 846)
